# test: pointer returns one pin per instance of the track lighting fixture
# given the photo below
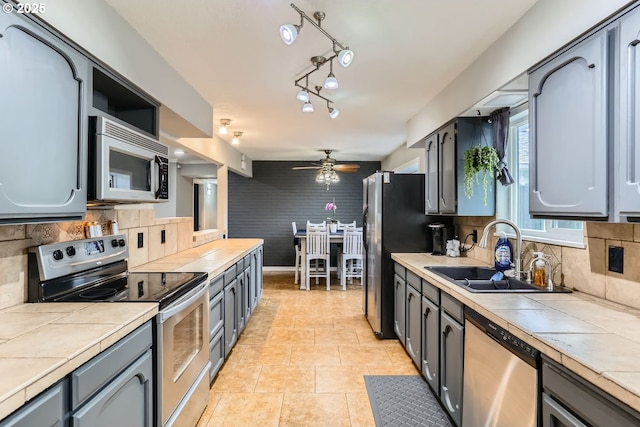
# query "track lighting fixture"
(235, 140)
(342, 54)
(223, 126)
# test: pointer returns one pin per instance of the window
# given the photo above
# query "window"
(513, 200)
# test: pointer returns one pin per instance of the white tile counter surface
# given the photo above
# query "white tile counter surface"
(594, 338)
(42, 343)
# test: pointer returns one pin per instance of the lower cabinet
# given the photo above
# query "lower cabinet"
(451, 361)
(230, 317)
(216, 325)
(413, 327)
(399, 319)
(49, 408)
(570, 401)
(242, 295)
(431, 344)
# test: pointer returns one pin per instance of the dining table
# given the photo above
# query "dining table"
(301, 235)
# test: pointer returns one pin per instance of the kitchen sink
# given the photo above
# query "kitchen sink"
(478, 279)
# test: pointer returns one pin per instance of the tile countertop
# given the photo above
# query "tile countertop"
(213, 258)
(42, 343)
(597, 339)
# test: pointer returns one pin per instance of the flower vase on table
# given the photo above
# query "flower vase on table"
(333, 222)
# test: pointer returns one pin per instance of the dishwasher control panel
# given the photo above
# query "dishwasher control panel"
(514, 343)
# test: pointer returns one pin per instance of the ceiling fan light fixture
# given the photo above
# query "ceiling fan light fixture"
(289, 33)
(334, 113)
(320, 177)
(334, 177)
(223, 126)
(303, 95)
(345, 57)
(307, 107)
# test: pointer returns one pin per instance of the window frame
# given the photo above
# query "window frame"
(507, 200)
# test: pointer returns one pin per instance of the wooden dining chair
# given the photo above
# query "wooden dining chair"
(317, 252)
(351, 256)
(298, 250)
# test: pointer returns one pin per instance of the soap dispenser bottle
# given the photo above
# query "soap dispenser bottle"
(539, 272)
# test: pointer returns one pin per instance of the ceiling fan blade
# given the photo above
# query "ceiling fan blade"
(297, 168)
(347, 167)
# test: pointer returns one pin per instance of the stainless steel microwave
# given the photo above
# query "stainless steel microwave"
(125, 165)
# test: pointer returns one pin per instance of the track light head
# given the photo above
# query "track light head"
(331, 82)
(303, 95)
(289, 32)
(334, 113)
(307, 107)
(345, 57)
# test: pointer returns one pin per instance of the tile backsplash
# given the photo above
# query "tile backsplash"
(581, 269)
(132, 220)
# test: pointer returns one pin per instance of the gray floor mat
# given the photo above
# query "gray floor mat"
(404, 400)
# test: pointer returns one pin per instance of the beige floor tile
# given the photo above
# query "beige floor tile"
(341, 379)
(287, 379)
(309, 409)
(291, 336)
(247, 409)
(336, 336)
(266, 355)
(364, 355)
(327, 355)
(404, 368)
(236, 379)
(360, 412)
(314, 322)
(214, 398)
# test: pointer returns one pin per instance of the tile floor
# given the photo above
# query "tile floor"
(301, 360)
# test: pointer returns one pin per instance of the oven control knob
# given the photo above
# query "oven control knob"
(57, 255)
(71, 251)
(121, 242)
(114, 243)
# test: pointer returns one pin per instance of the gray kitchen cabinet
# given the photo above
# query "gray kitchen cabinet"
(230, 317)
(399, 315)
(444, 180)
(255, 284)
(431, 335)
(242, 296)
(49, 408)
(45, 124)
(570, 401)
(216, 354)
(451, 357)
(413, 329)
(216, 325)
(568, 132)
(247, 295)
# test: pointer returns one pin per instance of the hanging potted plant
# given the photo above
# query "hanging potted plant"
(479, 161)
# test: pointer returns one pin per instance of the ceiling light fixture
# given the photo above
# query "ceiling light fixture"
(223, 126)
(178, 152)
(333, 112)
(342, 54)
(235, 140)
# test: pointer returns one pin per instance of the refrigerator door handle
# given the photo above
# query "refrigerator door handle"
(365, 214)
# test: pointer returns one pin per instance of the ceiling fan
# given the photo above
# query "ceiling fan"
(329, 165)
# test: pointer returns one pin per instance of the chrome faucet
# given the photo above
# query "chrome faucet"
(485, 235)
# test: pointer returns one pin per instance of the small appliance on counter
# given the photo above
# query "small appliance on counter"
(440, 234)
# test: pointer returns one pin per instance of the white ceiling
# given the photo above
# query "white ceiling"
(406, 51)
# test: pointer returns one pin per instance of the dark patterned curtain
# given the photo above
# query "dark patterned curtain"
(500, 121)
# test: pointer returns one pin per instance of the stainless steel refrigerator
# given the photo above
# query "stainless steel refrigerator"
(394, 221)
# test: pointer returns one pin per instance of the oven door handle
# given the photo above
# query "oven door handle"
(183, 302)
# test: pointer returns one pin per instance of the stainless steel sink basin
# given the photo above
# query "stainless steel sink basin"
(478, 279)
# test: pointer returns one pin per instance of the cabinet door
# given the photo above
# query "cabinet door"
(216, 354)
(43, 136)
(413, 326)
(555, 415)
(247, 295)
(432, 176)
(242, 289)
(431, 344)
(627, 199)
(126, 401)
(451, 359)
(216, 314)
(230, 317)
(258, 276)
(447, 163)
(568, 132)
(399, 318)
(47, 409)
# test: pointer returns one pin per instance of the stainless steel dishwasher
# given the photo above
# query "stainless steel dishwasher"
(500, 386)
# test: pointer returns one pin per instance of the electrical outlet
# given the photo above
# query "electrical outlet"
(140, 240)
(616, 259)
(163, 237)
(474, 236)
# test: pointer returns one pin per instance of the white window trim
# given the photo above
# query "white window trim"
(507, 203)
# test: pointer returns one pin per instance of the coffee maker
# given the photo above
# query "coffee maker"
(440, 233)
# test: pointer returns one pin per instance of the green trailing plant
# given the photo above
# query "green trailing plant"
(479, 161)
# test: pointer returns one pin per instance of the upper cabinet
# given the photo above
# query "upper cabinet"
(43, 136)
(568, 132)
(584, 111)
(444, 180)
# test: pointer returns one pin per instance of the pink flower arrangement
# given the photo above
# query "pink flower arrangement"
(331, 206)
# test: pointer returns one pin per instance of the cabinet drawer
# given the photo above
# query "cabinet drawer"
(400, 270)
(247, 261)
(216, 354)
(95, 374)
(414, 280)
(452, 306)
(216, 285)
(216, 313)
(46, 409)
(240, 266)
(431, 292)
(230, 275)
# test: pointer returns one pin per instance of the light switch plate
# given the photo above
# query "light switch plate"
(616, 259)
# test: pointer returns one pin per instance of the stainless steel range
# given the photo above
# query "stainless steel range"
(96, 270)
